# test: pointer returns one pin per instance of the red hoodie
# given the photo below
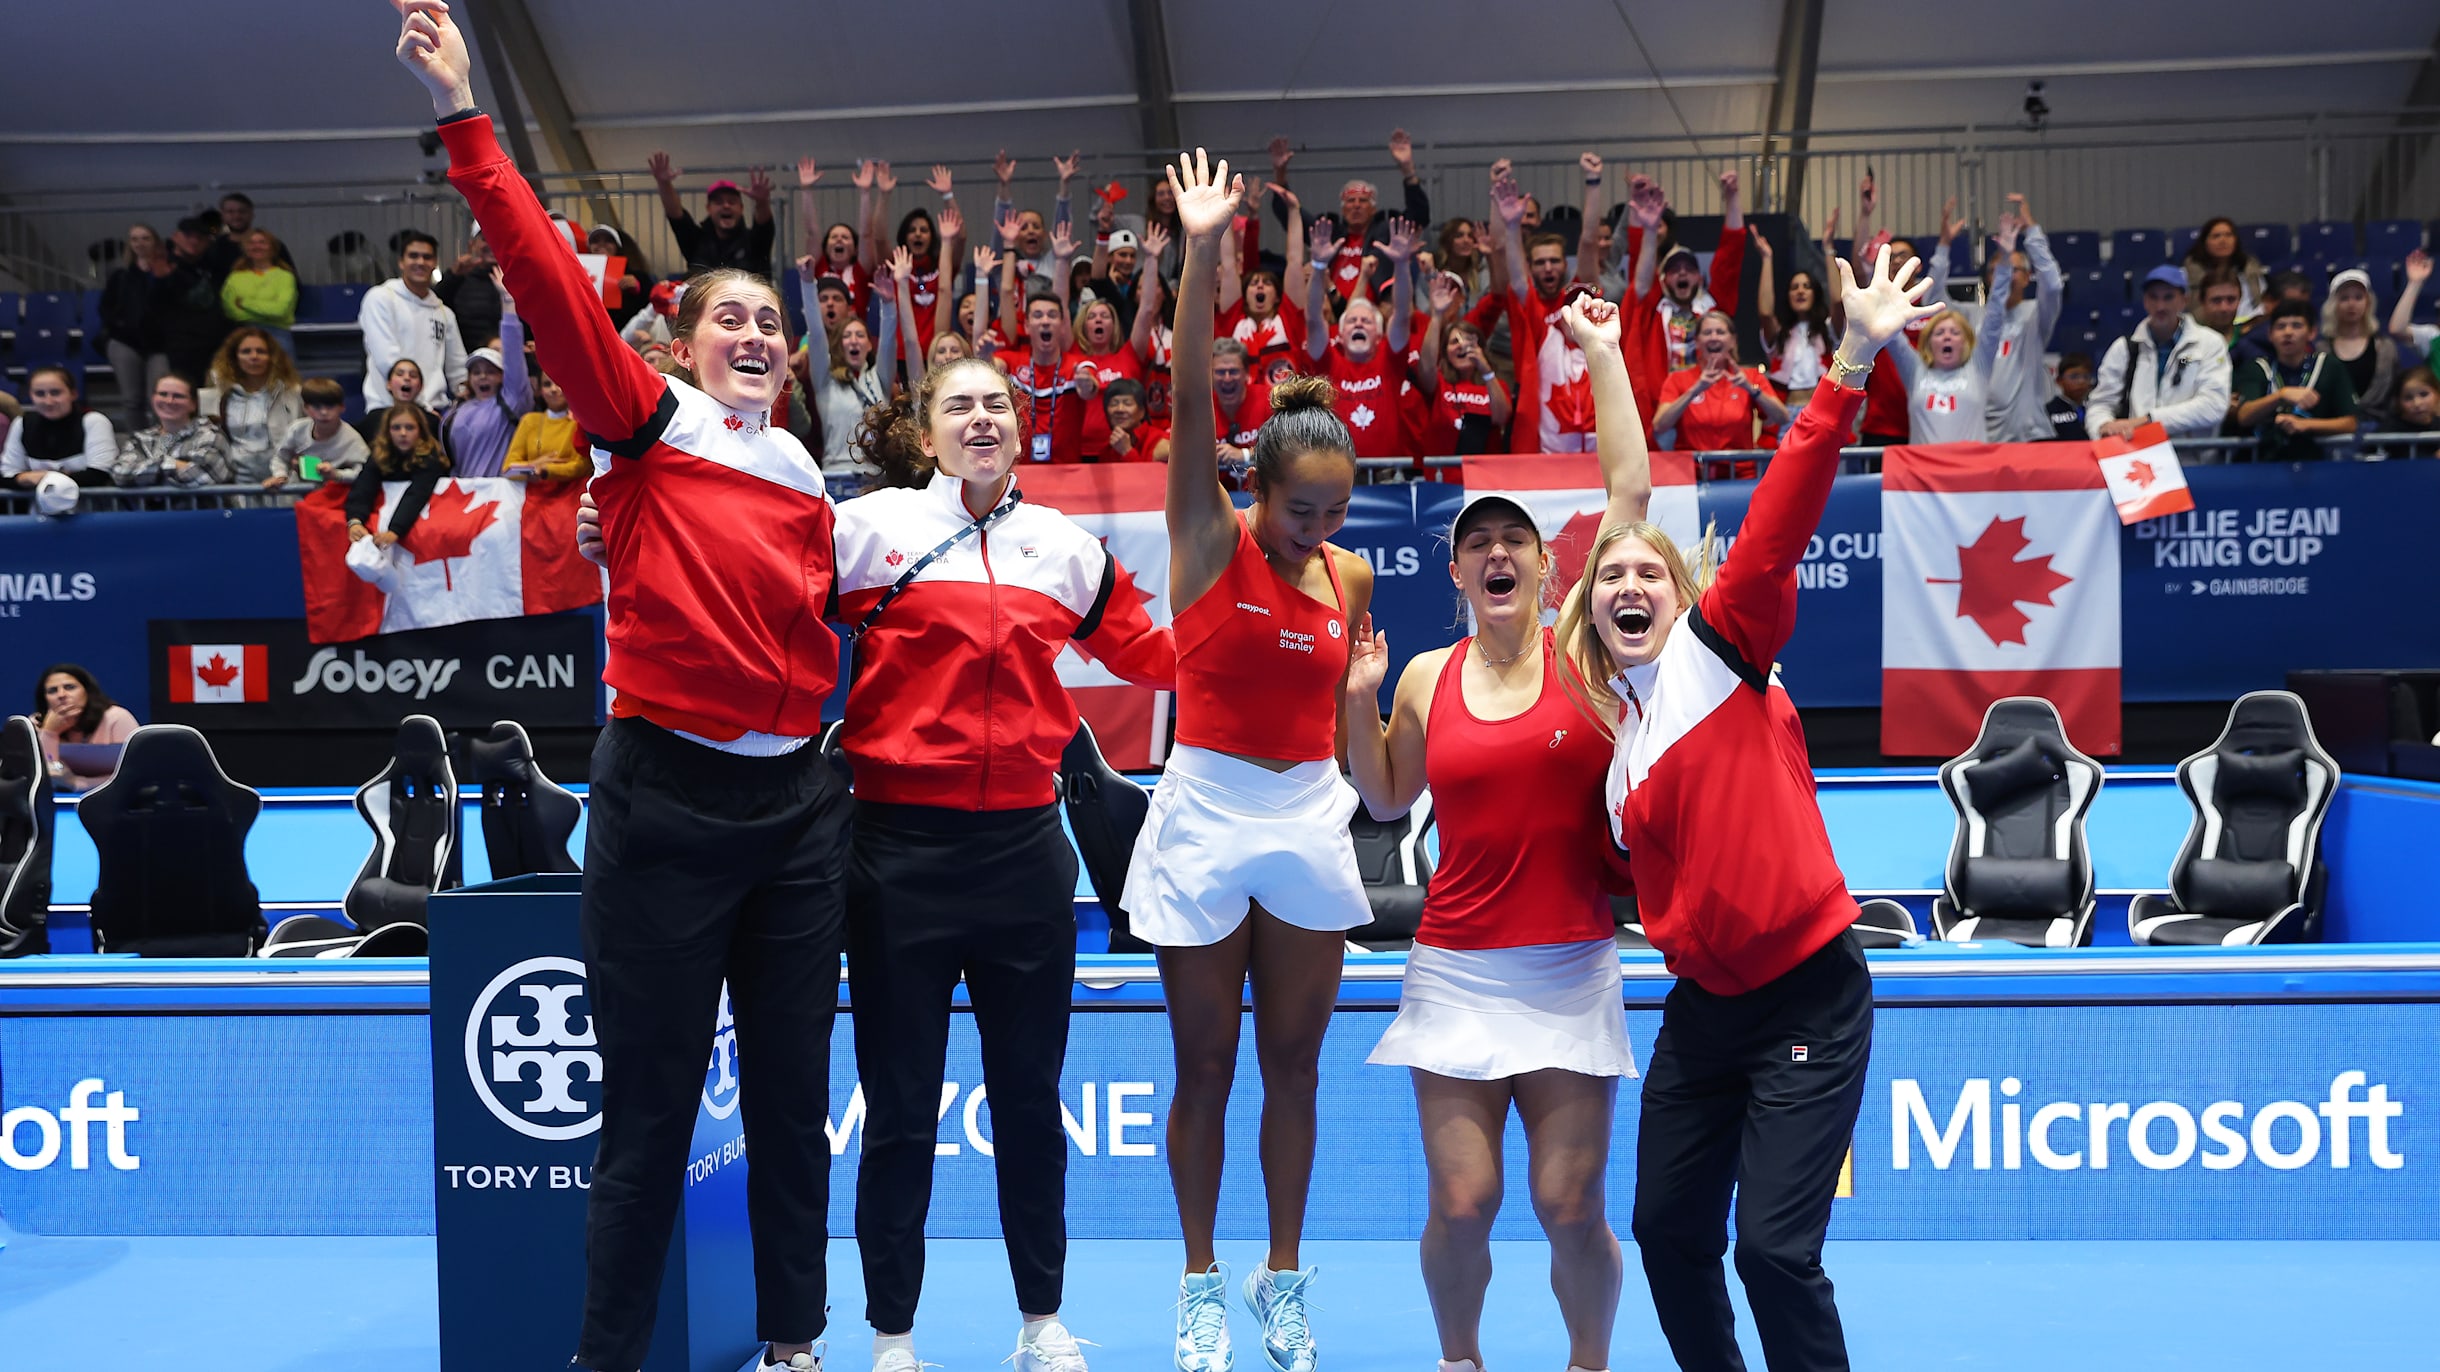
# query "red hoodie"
(1711, 790)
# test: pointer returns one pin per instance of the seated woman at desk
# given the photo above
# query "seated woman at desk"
(71, 707)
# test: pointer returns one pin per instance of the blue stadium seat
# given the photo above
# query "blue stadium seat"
(792, 294)
(8, 311)
(1961, 251)
(2133, 248)
(343, 302)
(53, 310)
(90, 321)
(40, 346)
(2095, 288)
(2181, 242)
(2268, 242)
(2328, 239)
(2076, 249)
(2392, 237)
(2083, 338)
(2119, 322)
(1844, 246)
(311, 306)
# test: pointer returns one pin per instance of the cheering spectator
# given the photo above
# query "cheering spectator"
(2298, 394)
(403, 384)
(1118, 350)
(405, 318)
(2218, 296)
(409, 451)
(2350, 332)
(847, 380)
(928, 243)
(57, 434)
(254, 397)
(130, 334)
(1259, 309)
(185, 309)
(1470, 409)
(2402, 325)
(2074, 387)
(320, 447)
(1529, 285)
(723, 239)
(2170, 371)
(2217, 248)
(476, 431)
(546, 446)
(1362, 230)
(470, 288)
(1684, 298)
(1795, 330)
(1948, 375)
(1134, 436)
(1023, 233)
(71, 707)
(182, 447)
(261, 290)
(1366, 364)
(633, 285)
(2020, 385)
(1715, 405)
(1054, 384)
(1240, 402)
(1461, 253)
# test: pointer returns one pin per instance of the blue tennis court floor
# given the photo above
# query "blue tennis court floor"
(369, 1305)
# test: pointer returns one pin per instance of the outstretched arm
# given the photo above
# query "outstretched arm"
(1202, 522)
(611, 391)
(1593, 325)
(1766, 298)
(1404, 239)
(1317, 287)
(2402, 318)
(1588, 236)
(1148, 289)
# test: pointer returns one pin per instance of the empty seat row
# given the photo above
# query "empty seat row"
(52, 327)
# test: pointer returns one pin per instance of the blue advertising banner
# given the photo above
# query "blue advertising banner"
(2265, 1121)
(1834, 659)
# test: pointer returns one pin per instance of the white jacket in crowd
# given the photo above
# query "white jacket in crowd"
(2185, 391)
(398, 323)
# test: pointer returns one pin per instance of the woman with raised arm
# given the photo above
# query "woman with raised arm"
(1511, 996)
(1757, 1074)
(1244, 866)
(714, 849)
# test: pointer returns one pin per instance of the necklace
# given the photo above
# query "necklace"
(1490, 661)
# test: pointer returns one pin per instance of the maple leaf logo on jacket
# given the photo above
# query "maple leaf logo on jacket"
(895, 557)
(448, 528)
(216, 673)
(1992, 581)
(735, 424)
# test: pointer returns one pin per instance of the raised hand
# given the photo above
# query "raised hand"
(1286, 197)
(1728, 187)
(1281, 155)
(985, 263)
(941, 182)
(1063, 242)
(1367, 663)
(1105, 216)
(1004, 167)
(1646, 203)
(1867, 195)
(866, 170)
(758, 186)
(1443, 291)
(1591, 322)
(1503, 172)
(430, 46)
(1206, 195)
(1156, 242)
(1830, 223)
(808, 267)
(1948, 219)
(1761, 244)
(952, 222)
(499, 282)
(2418, 269)
(808, 171)
(1321, 244)
(1402, 151)
(1884, 307)
(2009, 227)
(663, 174)
(901, 266)
(884, 180)
(2016, 204)
(1007, 225)
(1508, 204)
(1404, 239)
(1068, 165)
(1590, 164)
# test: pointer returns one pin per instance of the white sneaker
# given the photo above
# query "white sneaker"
(1047, 1346)
(1203, 1322)
(1277, 1300)
(896, 1360)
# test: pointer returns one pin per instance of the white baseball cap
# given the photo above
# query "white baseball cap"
(56, 494)
(1123, 238)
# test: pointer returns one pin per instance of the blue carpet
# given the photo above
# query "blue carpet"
(292, 1304)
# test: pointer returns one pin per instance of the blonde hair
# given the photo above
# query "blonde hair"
(1923, 343)
(1587, 680)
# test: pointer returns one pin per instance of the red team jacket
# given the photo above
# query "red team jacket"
(717, 524)
(957, 701)
(1711, 790)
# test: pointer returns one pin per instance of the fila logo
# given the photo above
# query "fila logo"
(1555, 736)
(1799, 1053)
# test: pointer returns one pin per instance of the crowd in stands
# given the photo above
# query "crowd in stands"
(1436, 333)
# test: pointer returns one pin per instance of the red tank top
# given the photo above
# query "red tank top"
(1259, 663)
(1523, 836)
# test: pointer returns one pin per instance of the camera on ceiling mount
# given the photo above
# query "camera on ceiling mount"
(2037, 110)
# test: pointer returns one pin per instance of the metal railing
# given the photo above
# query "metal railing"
(2166, 173)
(1370, 471)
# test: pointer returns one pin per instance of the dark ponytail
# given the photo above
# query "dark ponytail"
(891, 434)
(1302, 421)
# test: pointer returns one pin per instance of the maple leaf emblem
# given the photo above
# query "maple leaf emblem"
(448, 528)
(2140, 472)
(895, 557)
(216, 673)
(1992, 581)
(1362, 416)
(734, 423)
(1568, 549)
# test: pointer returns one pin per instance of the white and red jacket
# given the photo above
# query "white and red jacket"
(716, 521)
(956, 701)
(1711, 790)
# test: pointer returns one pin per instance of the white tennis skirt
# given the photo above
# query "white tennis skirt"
(1492, 1013)
(1222, 832)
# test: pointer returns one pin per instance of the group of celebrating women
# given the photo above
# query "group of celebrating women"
(1642, 739)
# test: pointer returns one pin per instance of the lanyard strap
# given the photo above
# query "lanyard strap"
(907, 578)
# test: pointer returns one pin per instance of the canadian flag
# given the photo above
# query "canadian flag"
(1999, 578)
(219, 673)
(485, 548)
(1564, 494)
(2145, 478)
(1121, 504)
